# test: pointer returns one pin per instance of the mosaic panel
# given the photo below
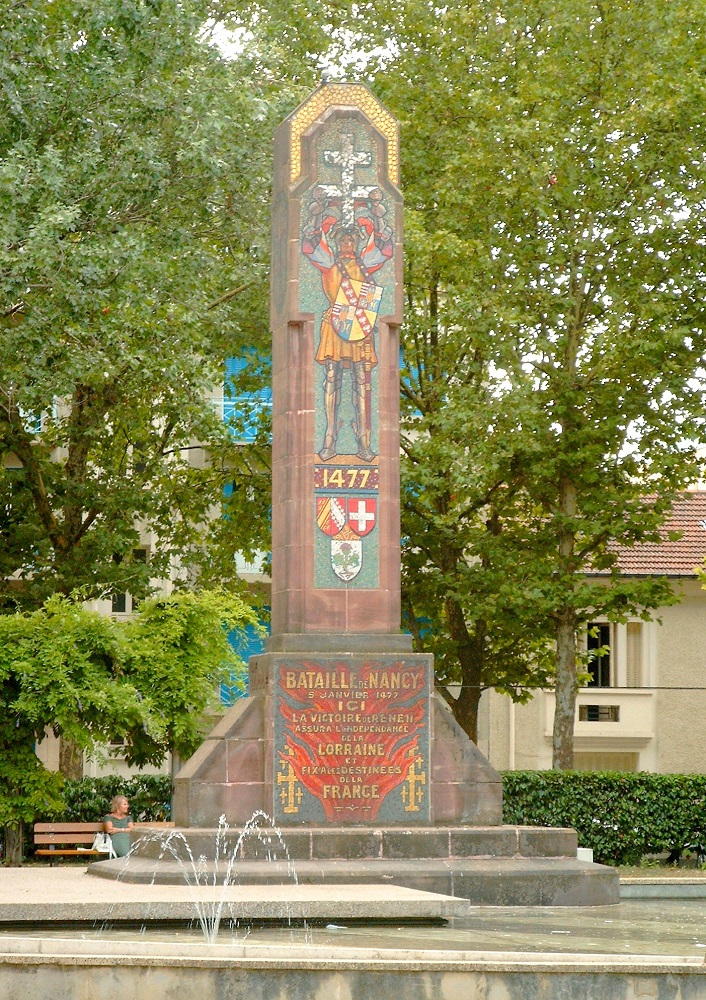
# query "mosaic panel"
(352, 741)
(343, 95)
(346, 280)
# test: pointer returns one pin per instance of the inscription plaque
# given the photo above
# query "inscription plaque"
(351, 741)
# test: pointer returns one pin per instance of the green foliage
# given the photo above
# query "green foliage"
(85, 801)
(134, 165)
(27, 789)
(553, 340)
(147, 681)
(622, 816)
(178, 653)
(553, 169)
(60, 666)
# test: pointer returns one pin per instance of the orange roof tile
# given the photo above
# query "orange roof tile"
(672, 558)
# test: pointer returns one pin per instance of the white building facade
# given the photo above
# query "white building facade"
(645, 707)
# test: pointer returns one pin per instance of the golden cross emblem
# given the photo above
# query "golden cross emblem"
(291, 794)
(412, 793)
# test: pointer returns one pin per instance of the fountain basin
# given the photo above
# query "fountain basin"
(638, 948)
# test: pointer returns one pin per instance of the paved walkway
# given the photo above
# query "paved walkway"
(67, 893)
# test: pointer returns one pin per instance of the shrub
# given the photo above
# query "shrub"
(89, 799)
(622, 816)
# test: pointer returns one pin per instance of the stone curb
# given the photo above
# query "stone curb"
(21, 951)
(662, 888)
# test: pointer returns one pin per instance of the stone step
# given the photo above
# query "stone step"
(148, 903)
(358, 843)
(484, 882)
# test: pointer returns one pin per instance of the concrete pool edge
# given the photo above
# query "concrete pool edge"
(662, 888)
(104, 952)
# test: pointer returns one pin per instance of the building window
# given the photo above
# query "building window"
(634, 653)
(242, 408)
(616, 654)
(122, 602)
(599, 646)
(599, 713)
(119, 603)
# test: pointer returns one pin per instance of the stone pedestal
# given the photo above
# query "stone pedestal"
(433, 824)
(489, 866)
(389, 754)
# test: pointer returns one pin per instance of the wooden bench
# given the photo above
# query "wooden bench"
(53, 840)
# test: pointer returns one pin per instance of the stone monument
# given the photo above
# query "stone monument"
(342, 725)
(342, 739)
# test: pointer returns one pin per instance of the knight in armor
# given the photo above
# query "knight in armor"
(343, 255)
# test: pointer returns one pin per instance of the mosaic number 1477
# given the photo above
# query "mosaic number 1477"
(339, 478)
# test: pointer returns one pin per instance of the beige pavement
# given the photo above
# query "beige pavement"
(68, 892)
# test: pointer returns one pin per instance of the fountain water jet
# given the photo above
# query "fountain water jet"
(217, 871)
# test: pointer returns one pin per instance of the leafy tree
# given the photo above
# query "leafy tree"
(469, 561)
(555, 172)
(92, 679)
(133, 197)
(553, 169)
(177, 648)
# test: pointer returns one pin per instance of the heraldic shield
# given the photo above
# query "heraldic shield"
(346, 555)
(330, 515)
(356, 308)
(362, 514)
(346, 520)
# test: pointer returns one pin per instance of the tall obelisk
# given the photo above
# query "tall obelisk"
(336, 306)
(342, 740)
(341, 726)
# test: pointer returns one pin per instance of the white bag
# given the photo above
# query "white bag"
(103, 843)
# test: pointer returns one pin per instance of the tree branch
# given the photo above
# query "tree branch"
(227, 296)
(27, 453)
(13, 310)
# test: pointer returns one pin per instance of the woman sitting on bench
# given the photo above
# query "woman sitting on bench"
(118, 824)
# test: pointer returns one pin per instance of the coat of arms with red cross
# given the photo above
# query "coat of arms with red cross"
(362, 514)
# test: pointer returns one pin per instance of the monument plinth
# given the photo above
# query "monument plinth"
(343, 739)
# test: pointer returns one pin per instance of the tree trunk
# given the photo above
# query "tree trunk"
(470, 648)
(566, 689)
(566, 685)
(465, 709)
(70, 759)
(14, 837)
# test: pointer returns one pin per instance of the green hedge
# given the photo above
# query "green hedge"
(89, 799)
(622, 816)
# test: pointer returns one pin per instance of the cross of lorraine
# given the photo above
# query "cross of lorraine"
(347, 158)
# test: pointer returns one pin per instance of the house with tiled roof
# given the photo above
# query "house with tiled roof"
(683, 548)
(645, 705)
